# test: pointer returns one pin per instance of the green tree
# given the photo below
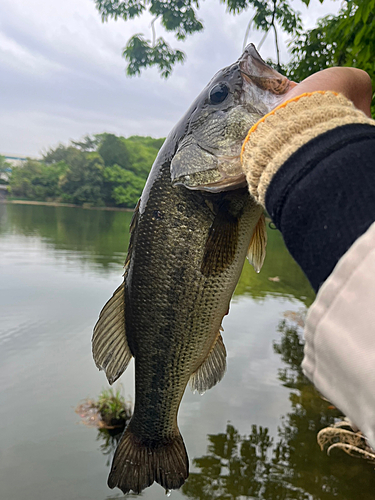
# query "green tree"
(101, 170)
(142, 153)
(83, 180)
(180, 17)
(60, 153)
(347, 39)
(37, 180)
(113, 150)
(87, 144)
(5, 169)
(124, 186)
(290, 466)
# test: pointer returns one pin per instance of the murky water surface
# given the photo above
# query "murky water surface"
(253, 436)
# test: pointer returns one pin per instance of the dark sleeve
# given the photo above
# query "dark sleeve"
(323, 198)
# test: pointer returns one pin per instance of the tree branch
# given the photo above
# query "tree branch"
(153, 30)
(276, 39)
(263, 39)
(247, 33)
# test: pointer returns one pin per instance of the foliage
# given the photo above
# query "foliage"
(109, 439)
(125, 186)
(141, 54)
(96, 236)
(175, 15)
(96, 171)
(180, 17)
(113, 150)
(142, 153)
(36, 180)
(291, 351)
(83, 180)
(345, 40)
(233, 463)
(112, 404)
(5, 169)
(87, 143)
(289, 466)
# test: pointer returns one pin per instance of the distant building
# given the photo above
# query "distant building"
(14, 160)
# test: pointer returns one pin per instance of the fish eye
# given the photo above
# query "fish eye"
(219, 93)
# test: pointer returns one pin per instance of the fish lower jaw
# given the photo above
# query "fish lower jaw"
(223, 184)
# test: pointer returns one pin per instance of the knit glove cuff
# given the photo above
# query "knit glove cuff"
(280, 133)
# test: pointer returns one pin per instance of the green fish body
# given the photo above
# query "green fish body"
(190, 234)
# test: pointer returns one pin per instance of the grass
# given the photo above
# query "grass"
(110, 411)
(112, 406)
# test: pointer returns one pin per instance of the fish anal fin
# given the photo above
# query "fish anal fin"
(110, 348)
(257, 248)
(221, 244)
(136, 465)
(212, 370)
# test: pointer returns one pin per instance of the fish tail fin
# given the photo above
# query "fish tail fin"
(136, 465)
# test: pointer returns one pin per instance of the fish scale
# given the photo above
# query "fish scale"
(190, 234)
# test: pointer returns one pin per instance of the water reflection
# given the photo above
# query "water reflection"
(290, 466)
(108, 439)
(102, 237)
(49, 305)
(98, 236)
(290, 280)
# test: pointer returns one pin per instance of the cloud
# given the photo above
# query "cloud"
(62, 74)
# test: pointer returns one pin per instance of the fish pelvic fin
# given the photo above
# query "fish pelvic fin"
(110, 348)
(136, 465)
(212, 370)
(257, 248)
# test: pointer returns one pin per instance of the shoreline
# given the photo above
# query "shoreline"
(69, 205)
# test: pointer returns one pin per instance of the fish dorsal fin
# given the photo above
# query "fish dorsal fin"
(221, 244)
(212, 370)
(257, 248)
(110, 348)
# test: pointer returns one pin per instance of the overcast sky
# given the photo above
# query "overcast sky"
(62, 75)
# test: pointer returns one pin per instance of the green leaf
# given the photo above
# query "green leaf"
(141, 54)
(115, 8)
(178, 16)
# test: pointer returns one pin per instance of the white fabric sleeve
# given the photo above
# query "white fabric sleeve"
(340, 336)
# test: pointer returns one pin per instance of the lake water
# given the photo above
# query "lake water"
(253, 436)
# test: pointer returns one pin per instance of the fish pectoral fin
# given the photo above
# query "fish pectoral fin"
(212, 370)
(110, 348)
(257, 248)
(221, 244)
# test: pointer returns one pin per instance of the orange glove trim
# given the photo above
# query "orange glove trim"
(282, 105)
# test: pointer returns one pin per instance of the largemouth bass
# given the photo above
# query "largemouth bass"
(190, 234)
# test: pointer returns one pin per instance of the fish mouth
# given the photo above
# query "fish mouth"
(255, 70)
(225, 184)
(217, 179)
(259, 89)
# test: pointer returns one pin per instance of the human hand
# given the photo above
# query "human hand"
(280, 133)
(354, 84)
